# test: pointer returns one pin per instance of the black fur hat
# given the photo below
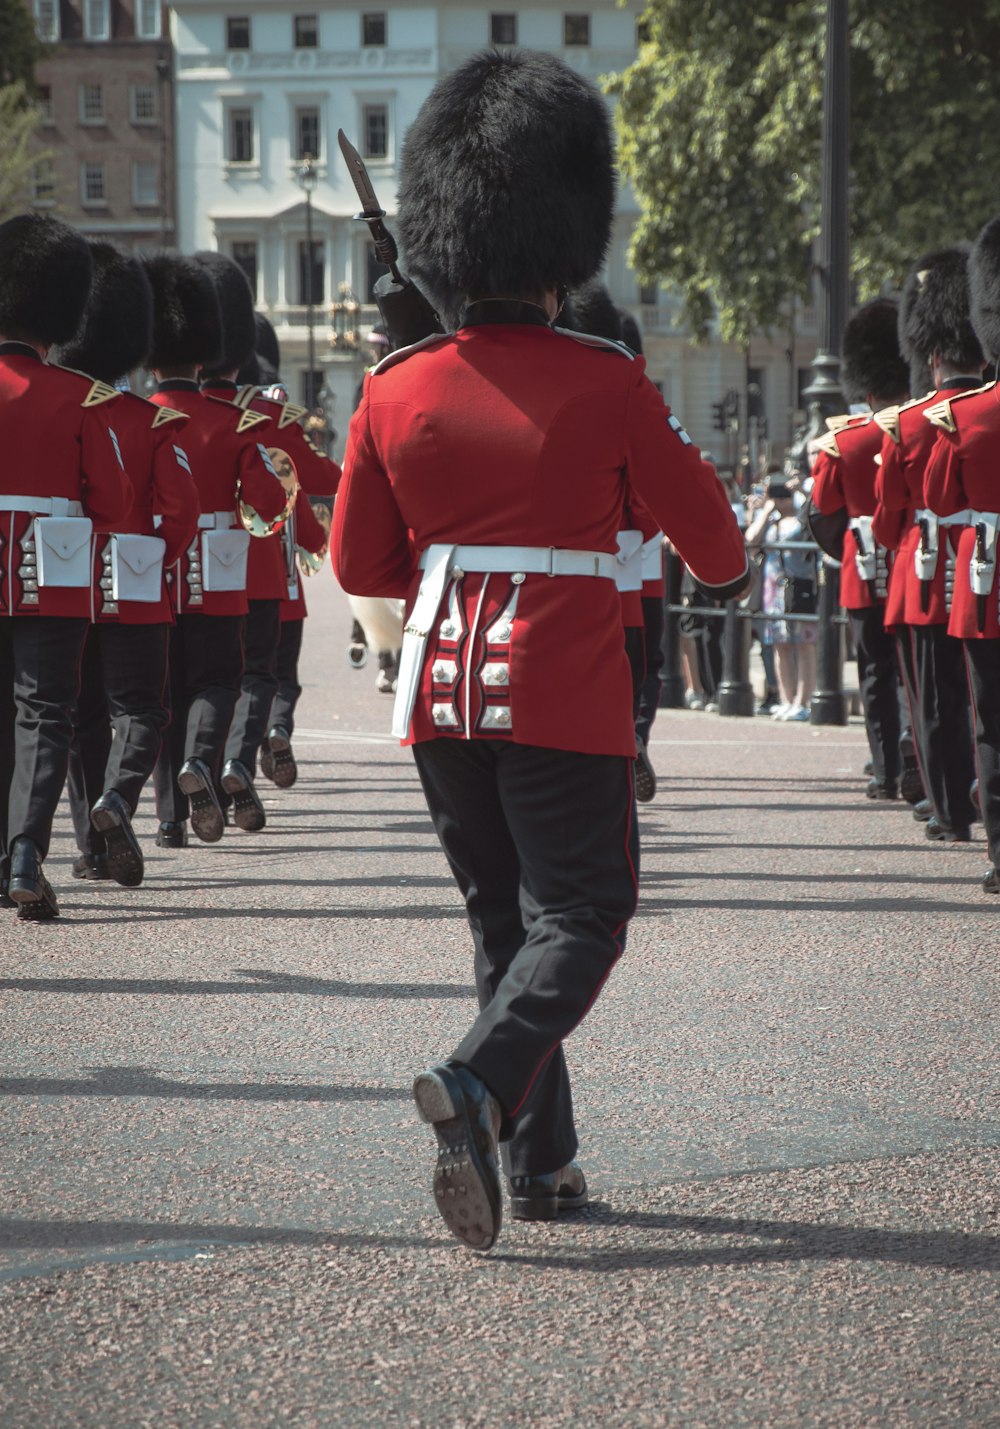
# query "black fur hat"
(187, 321)
(249, 373)
(266, 341)
(934, 310)
(630, 331)
(45, 275)
(118, 320)
(984, 288)
(506, 181)
(239, 330)
(872, 362)
(594, 312)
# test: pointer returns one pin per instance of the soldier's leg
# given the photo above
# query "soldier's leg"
(286, 696)
(171, 804)
(89, 754)
(649, 693)
(259, 683)
(214, 671)
(983, 658)
(878, 684)
(947, 728)
(135, 665)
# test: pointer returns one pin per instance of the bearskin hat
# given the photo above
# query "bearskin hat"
(507, 180)
(631, 335)
(921, 381)
(239, 330)
(45, 275)
(187, 320)
(934, 310)
(117, 323)
(594, 311)
(872, 362)
(249, 373)
(984, 288)
(266, 341)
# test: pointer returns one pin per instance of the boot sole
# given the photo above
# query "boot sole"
(35, 901)
(206, 816)
(280, 768)
(466, 1194)
(247, 812)
(125, 863)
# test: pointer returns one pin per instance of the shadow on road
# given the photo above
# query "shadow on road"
(262, 981)
(138, 1082)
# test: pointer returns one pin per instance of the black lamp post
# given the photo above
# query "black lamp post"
(824, 393)
(307, 180)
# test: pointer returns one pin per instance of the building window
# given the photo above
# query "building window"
(241, 136)
(148, 19)
(145, 184)
(143, 104)
(503, 29)
(47, 20)
(306, 32)
(91, 104)
(238, 32)
(311, 272)
(374, 28)
(44, 103)
(43, 184)
(576, 29)
(92, 190)
(245, 256)
(307, 133)
(649, 294)
(96, 19)
(375, 129)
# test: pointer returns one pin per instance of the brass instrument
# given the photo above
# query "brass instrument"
(310, 564)
(281, 465)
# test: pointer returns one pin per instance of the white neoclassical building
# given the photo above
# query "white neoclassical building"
(263, 85)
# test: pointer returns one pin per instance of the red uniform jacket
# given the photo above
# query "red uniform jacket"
(57, 439)
(318, 476)
(159, 472)
(844, 476)
(226, 454)
(899, 487)
(964, 471)
(513, 433)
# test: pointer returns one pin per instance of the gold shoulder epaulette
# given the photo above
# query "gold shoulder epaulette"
(246, 395)
(837, 424)
(828, 444)
(99, 392)
(888, 420)
(250, 419)
(291, 412)
(167, 414)
(939, 415)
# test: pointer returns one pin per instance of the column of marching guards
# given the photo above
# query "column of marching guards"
(908, 497)
(150, 599)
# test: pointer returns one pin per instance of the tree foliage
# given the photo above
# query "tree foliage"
(719, 132)
(20, 48)
(19, 153)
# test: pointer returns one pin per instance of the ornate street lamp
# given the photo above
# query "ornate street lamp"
(345, 313)
(307, 178)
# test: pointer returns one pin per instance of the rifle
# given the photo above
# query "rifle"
(407, 314)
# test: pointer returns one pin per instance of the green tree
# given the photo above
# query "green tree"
(20, 48)
(719, 133)
(20, 155)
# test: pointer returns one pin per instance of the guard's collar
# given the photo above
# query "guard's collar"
(177, 384)
(961, 384)
(219, 384)
(488, 311)
(19, 349)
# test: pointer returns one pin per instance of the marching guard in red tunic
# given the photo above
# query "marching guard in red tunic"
(963, 485)
(124, 670)
(484, 481)
(873, 371)
(60, 478)
(935, 330)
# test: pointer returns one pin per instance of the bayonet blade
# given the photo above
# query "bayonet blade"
(359, 177)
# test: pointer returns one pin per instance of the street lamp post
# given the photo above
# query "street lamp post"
(307, 179)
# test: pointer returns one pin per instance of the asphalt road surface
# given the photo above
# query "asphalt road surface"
(215, 1190)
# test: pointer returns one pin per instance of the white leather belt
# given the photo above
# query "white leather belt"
(441, 563)
(925, 554)
(42, 505)
(216, 521)
(960, 518)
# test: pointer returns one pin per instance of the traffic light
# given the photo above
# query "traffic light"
(719, 419)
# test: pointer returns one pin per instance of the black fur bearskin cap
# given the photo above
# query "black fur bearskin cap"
(934, 310)
(594, 312)
(239, 330)
(630, 331)
(872, 362)
(984, 288)
(45, 276)
(117, 323)
(187, 321)
(507, 181)
(266, 341)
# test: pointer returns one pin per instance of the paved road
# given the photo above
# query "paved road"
(214, 1188)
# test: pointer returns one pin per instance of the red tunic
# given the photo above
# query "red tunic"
(844, 476)
(964, 471)
(513, 433)
(58, 440)
(227, 456)
(151, 440)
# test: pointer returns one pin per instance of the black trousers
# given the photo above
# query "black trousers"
(205, 666)
(286, 697)
(122, 694)
(544, 847)
(945, 724)
(635, 650)
(39, 678)
(259, 682)
(878, 684)
(649, 692)
(983, 659)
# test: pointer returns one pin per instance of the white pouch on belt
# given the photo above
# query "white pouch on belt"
(137, 567)
(983, 565)
(62, 551)
(866, 550)
(224, 560)
(925, 554)
(628, 576)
